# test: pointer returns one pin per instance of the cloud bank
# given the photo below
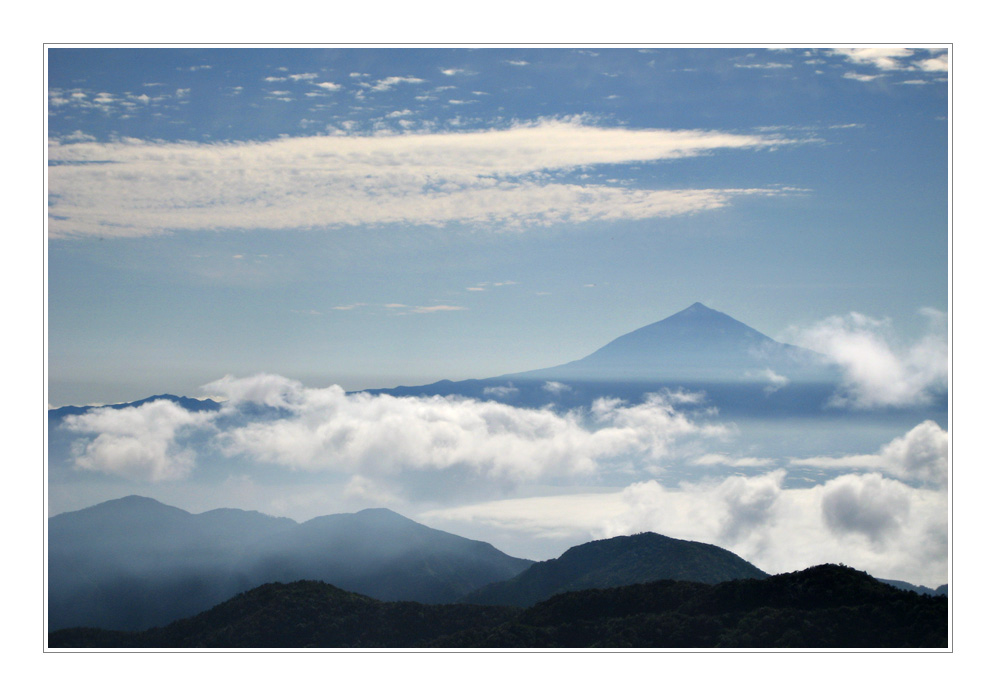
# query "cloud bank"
(880, 525)
(496, 178)
(269, 419)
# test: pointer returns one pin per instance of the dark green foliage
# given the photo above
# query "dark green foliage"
(624, 560)
(822, 607)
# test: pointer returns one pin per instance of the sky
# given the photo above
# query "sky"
(276, 227)
(375, 217)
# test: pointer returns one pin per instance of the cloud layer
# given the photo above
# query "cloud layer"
(270, 419)
(506, 178)
(867, 521)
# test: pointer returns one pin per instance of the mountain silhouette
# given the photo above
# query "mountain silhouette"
(819, 608)
(697, 344)
(134, 562)
(740, 370)
(615, 562)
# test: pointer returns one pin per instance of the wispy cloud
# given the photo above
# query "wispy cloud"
(882, 57)
(501, 179)
(891, 59)
(392, 82)
(877, 372)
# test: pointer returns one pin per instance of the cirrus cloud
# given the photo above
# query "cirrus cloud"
(495, 178)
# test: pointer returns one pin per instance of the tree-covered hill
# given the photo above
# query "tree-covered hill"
(822, 607)
(624, 560)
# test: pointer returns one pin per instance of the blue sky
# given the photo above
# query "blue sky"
(278, 226)
(372, 217)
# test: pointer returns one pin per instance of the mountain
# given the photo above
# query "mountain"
(134, 562)
(623, 560)
(822, 607)
(921, 589)
(57, 414)
(697, 344)
(699, 349)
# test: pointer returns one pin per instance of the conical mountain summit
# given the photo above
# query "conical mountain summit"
(697, 344)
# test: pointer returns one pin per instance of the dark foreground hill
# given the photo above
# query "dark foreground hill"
(624, 560)
(822, 607)
(134, 562)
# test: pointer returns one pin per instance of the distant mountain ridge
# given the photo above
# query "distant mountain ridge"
(623, 560)
(183, 401)
(134, 562)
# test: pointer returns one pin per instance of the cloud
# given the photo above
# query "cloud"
(555, 387)
(889, 59)
(876, 524)
(330, 86)
(860, 77)
(919, 455)
(775, 380)
(501, 392)
(762, 66)
(934, 64)
(865, 504)
(392, 82)
(138, 442)
(876, 372)
(499, 179)
(883, 58)
(378, 435)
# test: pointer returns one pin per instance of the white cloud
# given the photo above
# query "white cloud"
(137, 442)
(876, 372)
(503, 392)
(860, 77)
(934, 64)
(919, 455)
(492, 178)
(775, 380)
(329, 430)
(555, 387)
(392, 82)
(875, 524)
(866, 504)
(882, 57)
(330, 86)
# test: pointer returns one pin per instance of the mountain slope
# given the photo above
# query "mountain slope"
(383, 554)
(133, 563)
(821, 607)
(739, 369)
(624, 560)
(697, 344)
